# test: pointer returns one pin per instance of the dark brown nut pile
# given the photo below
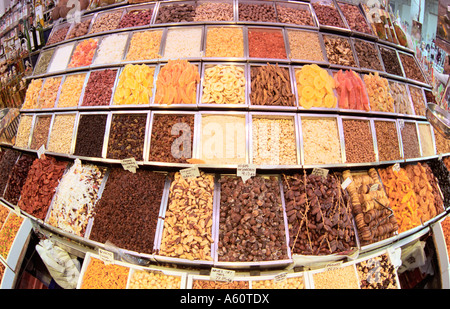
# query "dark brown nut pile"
(358, 141)
(90, 136)
(430, 96)
(411, 68)
(170, 134)
(367, 54)
(251, 224)
(374, 222)
(290, 15)
(127, 136)
(7, 163)
(58, 36)
(391, 62)
(106, 22)
(410, 141)
(40, 132)
(175, 13)
(328, 15)
(98, 90)
(319, 215)
(257, 12)
(127, 213)
(79, 29)
(271, 85)
(387, 141)
(339, 51)
(442, 175)
(355, 18)
(42, 179)
(18, 177)
(376, 273)
(136, 18)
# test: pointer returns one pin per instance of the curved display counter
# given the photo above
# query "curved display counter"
(236, 135)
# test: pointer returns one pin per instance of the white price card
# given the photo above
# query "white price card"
(401, 124)
(41, 151)
(333, 265)
(246, 171)
(17, 210)
(346, 182)
(222, 275)
(320, 172)
(106, 256)
(129, 164)
(280, 277)
(190, 172)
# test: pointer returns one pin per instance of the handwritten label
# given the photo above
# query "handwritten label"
(374, 187)
(41, 151)
(222, 275)
(346, 182)
(129, 165)
(401, 124)
(280, 277)
(190, 172)
(333, 265)
(246, 171)
(320, 172)
(106, 256)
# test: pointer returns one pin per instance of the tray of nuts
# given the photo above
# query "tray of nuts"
(62, 133)
(224, 85)
(106, 21)
(413, 71)
(137, 16)
(291, 13)
(378, 271)
(358, 141)
(175, 13)
(251, 12)
(280, 280)
(156, 278)
(340, 51)
(356, 20)
(188, 221)
(274, 140)
(329, 16)
(368, 55)
(217, 12)
(81, 28)
(252, 225)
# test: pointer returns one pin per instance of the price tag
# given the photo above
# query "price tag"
(280, 277)
(440, 157)
(190, 172)
(401, 123)
(320, 172)
(333, 265)
(41, 151)
(246, 171)
(129, 165)
(106, 256)
(222, 275)
(17, 210)
(374, 187)
(346, 182)
(396, 167)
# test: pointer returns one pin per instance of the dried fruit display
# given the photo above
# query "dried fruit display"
(352, 93)
(380, 98)
(402, 197)
(8, 233)
(100, 275)
(370, 206)
(83, 53)
(251, 211)
(224, 84)
(315, 87)
(425, 193)
(319, 215)
(271, 85)
(176, 83)
(135, 85)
